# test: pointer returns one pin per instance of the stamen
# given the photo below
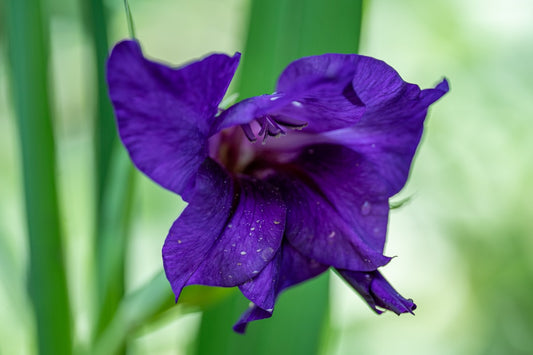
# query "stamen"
(247, 129)
(290, 122)
(271, 126)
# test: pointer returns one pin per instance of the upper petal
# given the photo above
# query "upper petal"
(164, 114)
(390, 130)
(193, 234)
(329, 92)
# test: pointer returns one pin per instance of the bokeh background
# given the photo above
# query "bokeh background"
(463, 241)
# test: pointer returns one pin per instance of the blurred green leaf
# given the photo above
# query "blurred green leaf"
(28, 54)
(113, 177)
(279, 32)
(295, 328)
(135, 310)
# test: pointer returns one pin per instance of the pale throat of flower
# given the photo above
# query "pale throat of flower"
(235, 148)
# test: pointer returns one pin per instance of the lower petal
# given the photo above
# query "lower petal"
(287, 269)
(377, 292)
(250, 239)
(193, 234)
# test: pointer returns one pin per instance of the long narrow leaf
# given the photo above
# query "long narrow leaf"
(28, 54)
(114, 181)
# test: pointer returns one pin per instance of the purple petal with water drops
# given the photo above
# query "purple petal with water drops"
(377, 292)
(287, 269)
(193, 234)
(164, 114)
(337, 209)
(250, 240)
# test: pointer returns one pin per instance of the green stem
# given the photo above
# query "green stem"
(28, 54)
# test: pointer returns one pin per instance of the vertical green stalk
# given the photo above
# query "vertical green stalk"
(279, 32)
(28, 55)
(114, 181)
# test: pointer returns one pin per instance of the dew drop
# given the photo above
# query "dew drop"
(229, 225)
(233, 244)
(243, 252)
(365, 208)
(255, 272)
(252, 229)
(332, 234)
(239, 264)
(269, 310)
(296, 104)
(277, 222)
(267, 254)
(179, 241)
(259, 250)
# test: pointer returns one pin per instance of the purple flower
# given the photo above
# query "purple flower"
(267, 215)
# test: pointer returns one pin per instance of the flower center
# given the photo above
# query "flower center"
(235, 147)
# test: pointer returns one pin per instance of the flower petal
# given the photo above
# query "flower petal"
(193, 234)
(337, 208)
(377, 292)
(250, 240)
(287, 269)
(389, 132)
(163, 114)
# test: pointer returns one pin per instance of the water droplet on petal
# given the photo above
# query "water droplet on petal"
(277, 222)
(296, 104)
(179, 241)
(365, 208)
(332, 234)
(243, 252)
